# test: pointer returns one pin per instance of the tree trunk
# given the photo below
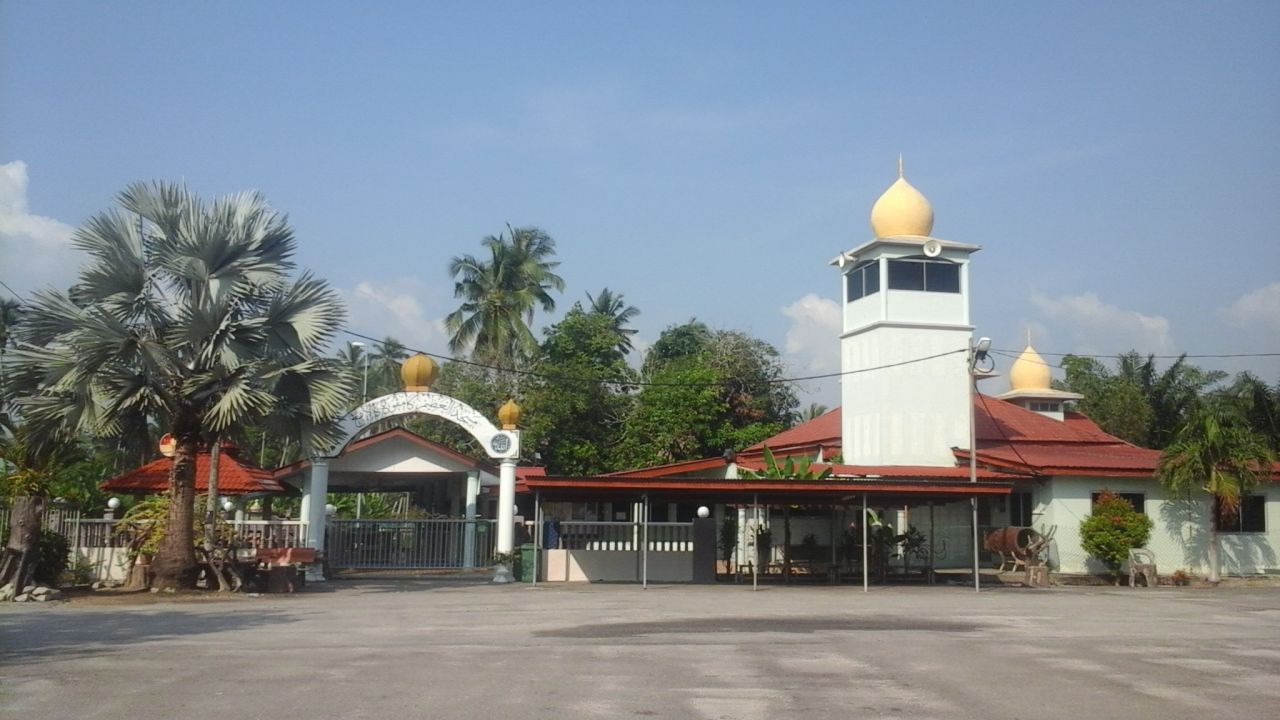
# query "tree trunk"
(174, 566)
(211, 510)
(21, 550)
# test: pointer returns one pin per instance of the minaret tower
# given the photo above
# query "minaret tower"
(905, 391)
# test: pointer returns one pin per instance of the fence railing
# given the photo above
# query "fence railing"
(102, 532)
(624, 536)
(407, 544)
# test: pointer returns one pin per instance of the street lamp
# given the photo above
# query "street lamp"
(364, 390)
(977, 354)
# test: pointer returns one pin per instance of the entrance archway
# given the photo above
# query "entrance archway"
(502, 444)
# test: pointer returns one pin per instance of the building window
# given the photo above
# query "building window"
(1020, 507)
(924, 274)
(1046, 407)
(1137, 501)
(864, 280)
(1250, 518)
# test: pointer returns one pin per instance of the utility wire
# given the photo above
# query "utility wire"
(1003, 351)
(646, 383)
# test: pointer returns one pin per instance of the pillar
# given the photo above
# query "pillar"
(313, 501)
(469, 539)
(506, 516)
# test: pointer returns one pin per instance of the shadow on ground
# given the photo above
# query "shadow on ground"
(799, 625)
(49, 634)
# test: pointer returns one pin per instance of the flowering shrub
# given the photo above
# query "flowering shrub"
(1113, 529)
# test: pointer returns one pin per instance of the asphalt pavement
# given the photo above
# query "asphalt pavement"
(444, 648)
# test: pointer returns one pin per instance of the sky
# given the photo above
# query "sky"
(1119, 163)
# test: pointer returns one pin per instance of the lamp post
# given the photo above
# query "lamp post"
(977, 354)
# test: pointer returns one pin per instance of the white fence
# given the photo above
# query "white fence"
(622, 536)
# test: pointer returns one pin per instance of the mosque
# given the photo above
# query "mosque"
(923, 445)
(916, 447)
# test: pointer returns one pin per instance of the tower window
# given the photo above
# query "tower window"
(924, 274)
(863, 280)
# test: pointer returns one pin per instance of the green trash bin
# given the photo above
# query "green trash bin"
(526, 562)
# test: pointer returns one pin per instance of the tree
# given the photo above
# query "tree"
(676, 417)
(384, 366)
(1215, 452)
(611, 306)
(1137, 402)
(575, 401)
(709, 391)
(1112, 530)
(10, 313)
(813, 412)
(185, 314)
(1259, 404)
(500, 295)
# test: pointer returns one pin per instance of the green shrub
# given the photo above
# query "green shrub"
(52, 556)
(1113, 529)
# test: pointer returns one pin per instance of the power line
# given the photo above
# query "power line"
(1005, 351)
(645, 383)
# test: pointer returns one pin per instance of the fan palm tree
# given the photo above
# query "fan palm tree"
(500, 295)
(612, 306)
(1215, 452)
(185, 313)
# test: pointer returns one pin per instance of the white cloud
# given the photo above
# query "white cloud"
(813, 345)
(1256, 310)
(379, 309)
(35, 251)
(1096, 327)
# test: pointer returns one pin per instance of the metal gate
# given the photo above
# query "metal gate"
(408, 544)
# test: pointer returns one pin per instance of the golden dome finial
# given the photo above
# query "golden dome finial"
(418, 373)
(902, 210)
(1030, 371)
(509, 415)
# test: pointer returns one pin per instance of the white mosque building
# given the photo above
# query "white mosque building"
(912, 421)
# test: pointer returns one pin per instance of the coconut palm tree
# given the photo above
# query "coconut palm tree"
(186, 314)
(386, 360)
(612, 306)
(1215, 452)
(500, 295)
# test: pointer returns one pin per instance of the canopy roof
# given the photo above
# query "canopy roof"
(236, 476)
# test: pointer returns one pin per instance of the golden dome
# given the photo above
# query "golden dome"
(509, 415)
(1030, 371)
(902, 210)
(418, 373)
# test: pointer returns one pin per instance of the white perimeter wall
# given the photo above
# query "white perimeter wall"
(613, 566)
(1179, 536)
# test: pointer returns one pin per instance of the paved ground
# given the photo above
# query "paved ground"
(432, 648)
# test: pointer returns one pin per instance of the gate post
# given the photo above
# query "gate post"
(469, 538)
(317, 491)
(506, 517)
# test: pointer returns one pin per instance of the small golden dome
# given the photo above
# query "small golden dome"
(1030, 371)
(902, 210)
(418, 373)
(509, 415)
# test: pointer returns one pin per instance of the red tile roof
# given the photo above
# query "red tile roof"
(235, 476)
(1010, 438)
(823, 430)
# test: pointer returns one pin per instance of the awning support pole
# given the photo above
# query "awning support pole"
(866, 572)
(755, 561)
(644, 553)
(537, 534)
